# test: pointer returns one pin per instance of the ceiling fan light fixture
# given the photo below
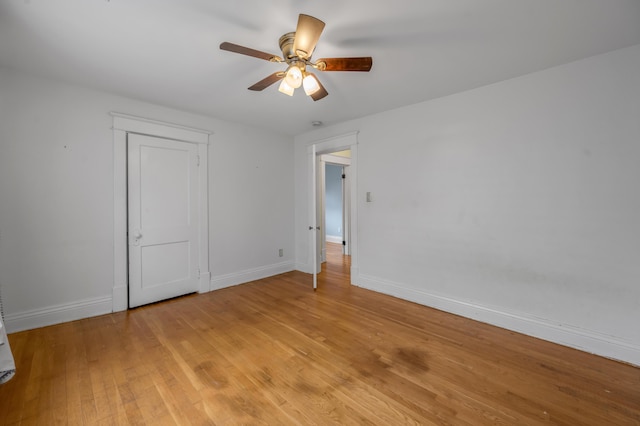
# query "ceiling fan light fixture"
(285, 88)
(297, 49)
(310, 84)
(293, 76)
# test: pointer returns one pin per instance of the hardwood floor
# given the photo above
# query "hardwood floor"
(275, 352)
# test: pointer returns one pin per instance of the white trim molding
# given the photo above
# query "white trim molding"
(147, 126)
(563, 334)
(336, 159)
(304, 267)
(123, 124)
(228, 280)
(57, 314)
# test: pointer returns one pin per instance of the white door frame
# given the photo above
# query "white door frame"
(346, 211)
(325, 146)
(316, 264)
(322, 206)
(123, 124)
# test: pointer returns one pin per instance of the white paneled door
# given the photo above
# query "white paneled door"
(162, 218)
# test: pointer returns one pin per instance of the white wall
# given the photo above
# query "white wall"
(516, 203)
(56, 198)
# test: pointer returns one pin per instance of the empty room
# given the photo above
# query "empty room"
(338, 212)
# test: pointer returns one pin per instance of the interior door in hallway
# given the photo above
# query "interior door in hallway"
(162, 218)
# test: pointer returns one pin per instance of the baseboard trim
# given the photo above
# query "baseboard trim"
(303, 267)
(58, 314)
(563, 334)
(248, 275)
(337, 239)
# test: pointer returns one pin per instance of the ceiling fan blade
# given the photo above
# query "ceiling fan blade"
(236, 48)
(345, 64)
(307, 35)
(321, 92)
(268, 81)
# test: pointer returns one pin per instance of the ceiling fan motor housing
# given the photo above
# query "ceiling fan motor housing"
(286, 45)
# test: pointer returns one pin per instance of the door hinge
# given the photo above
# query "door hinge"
(198, 160)
(344, 176)
(344, 243)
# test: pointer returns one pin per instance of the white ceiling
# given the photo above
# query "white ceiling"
(166, 51)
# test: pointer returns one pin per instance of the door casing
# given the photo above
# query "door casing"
(123, 124)
(339, 143)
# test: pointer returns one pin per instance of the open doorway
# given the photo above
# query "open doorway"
(316, 172)
(333, 203)
(334, 209)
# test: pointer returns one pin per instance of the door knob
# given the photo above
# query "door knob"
(135, 236)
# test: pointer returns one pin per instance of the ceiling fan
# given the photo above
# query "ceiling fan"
(297, 48)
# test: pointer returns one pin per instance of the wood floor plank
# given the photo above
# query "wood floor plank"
(274, 351)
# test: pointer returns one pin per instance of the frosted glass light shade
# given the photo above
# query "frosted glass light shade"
(294, 76)
(285, 88)
(310, 85)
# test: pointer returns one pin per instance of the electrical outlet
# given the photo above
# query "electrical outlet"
(280, 252)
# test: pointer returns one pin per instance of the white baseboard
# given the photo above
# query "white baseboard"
(566, 335)
(303, 267)
(58, 314)
(334, 239)
(229, 280)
